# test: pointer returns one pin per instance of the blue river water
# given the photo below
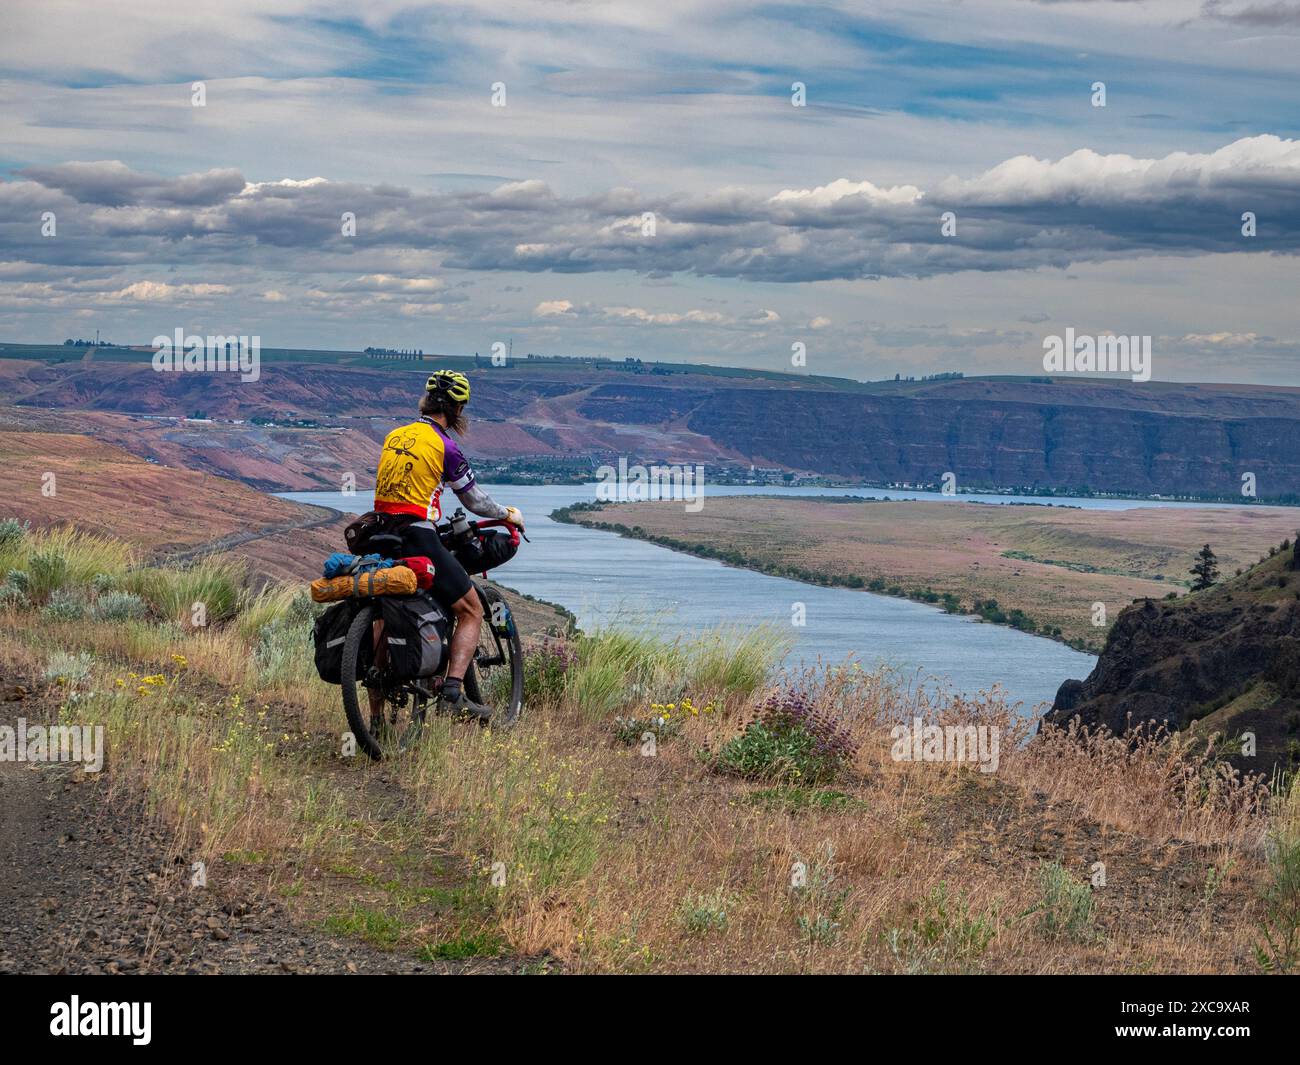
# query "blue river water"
(606, 579)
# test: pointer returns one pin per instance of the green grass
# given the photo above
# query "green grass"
(57, 558)
(245, 857)
(945, 934)
(201, 593)
(479, 944)
(1064, 910)
(615, 667)
(362, 922)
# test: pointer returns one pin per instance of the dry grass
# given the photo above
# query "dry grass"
(556, 839)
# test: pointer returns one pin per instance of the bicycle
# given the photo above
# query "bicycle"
(391, 716)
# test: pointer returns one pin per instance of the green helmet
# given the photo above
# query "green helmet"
(453, 385)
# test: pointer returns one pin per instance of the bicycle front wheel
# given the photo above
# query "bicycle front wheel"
(496, 676)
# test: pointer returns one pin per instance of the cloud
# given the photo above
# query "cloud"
(553, 308)
(114, 184)
(641, 316)
(1268, 15)
(1022, 214)
(161, 292)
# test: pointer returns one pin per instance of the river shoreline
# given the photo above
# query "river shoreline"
(820, 580)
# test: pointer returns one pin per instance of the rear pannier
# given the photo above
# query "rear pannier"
(328, 633)
(415, 633)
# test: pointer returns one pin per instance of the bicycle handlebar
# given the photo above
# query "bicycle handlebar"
(516, 531)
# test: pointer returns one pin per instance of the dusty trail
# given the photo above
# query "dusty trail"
(91, 884)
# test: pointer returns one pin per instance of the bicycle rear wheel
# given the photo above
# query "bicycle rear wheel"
(386, 716)
(496, 676)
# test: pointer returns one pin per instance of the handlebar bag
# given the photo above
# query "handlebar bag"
(492, 548)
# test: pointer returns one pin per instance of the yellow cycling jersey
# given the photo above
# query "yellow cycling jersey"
(416, 461)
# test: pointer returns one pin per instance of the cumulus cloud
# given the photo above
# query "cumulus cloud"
(1024, 213)
(644, 317)
(161, 292)
(552, 308)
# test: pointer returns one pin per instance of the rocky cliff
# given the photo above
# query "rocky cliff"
(1224, 660)
(1102, 435)
(1005, 442)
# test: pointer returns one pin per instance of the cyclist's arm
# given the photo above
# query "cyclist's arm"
(475, 499)
(460, 479)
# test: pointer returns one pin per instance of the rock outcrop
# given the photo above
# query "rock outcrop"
(1224, 660)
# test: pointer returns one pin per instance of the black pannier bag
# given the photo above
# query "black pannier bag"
(329, 633)
(415, 634)
(489, 549)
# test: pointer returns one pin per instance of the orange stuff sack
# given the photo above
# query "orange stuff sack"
(395, 580)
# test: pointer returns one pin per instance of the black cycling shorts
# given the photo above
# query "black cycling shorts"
(450, 581)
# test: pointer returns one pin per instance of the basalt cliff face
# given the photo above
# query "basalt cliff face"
(1099, 435)
(1225, 660)
(999, 442)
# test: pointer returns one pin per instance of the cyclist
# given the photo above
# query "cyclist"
(417, 461)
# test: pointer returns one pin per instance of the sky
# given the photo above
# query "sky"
(704, 182)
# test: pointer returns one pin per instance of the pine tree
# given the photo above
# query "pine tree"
(1206, 569)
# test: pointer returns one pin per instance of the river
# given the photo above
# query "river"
(606, 579)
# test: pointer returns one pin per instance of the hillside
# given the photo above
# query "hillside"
(160, 509)
(1225, 660)
(531, 851)
(1038, 433)
(180, 514)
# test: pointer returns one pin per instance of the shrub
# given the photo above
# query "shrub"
(547, 662)
(101, 583)
(1280, 923)
(119, 606)
(68, 669)
(789, 740)
(282, 652)
(944, 933)
(12, 532)
(65, 604)
(14, 592)
(1065, 909)
(47, 570)
(702, 914)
